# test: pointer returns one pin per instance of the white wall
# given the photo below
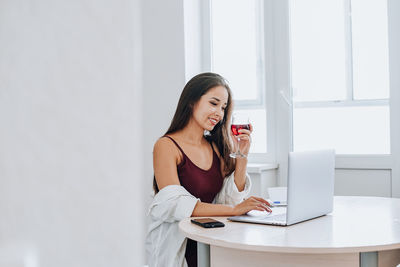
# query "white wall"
(356, 182)
(196, 37)
(70, 141)
(164, 73)
(394, 66)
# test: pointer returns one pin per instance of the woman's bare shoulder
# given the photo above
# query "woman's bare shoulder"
(165, 160)
(163, 143)
(165, 147)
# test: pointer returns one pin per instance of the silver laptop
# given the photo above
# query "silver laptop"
(309, 192)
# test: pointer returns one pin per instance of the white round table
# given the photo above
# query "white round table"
(361, 231)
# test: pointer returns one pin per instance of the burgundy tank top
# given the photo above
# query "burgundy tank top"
(203, 184)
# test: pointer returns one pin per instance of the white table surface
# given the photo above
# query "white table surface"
(357, 224)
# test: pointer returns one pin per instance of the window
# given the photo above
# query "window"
(237, 54)
(340, 75)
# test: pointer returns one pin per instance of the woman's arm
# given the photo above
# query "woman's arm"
(240, 169)
(252, 203)
(166, 157)
(240, 173)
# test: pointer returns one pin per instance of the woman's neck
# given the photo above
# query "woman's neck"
(192, 134)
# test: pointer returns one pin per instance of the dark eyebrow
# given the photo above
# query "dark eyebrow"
(218, 100)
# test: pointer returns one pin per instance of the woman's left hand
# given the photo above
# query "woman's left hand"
(245, 140)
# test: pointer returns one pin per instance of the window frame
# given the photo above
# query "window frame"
(278, 93)
(259, 101)
(347, 160)
(354, 161)
(349, 101)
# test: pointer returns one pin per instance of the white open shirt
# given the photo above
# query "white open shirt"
(165, 245)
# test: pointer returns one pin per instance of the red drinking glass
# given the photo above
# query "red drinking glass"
(239, 122)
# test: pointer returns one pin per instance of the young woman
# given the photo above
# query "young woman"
(193, 173)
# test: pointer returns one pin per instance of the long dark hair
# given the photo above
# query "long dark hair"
(191, 94)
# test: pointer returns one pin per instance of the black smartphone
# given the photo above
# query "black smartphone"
(208, 223)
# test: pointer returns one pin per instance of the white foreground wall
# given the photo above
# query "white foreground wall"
(163, 73)
(70, 134)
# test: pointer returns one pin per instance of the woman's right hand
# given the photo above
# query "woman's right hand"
(252, 203)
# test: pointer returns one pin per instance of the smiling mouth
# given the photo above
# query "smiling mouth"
(213, 121)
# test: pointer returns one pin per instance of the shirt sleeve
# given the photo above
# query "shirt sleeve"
(230, 194)
(173, 203)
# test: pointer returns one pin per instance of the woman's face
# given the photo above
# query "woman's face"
(210, 109)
